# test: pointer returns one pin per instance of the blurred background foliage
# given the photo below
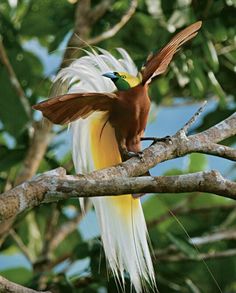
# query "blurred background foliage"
(32, 252)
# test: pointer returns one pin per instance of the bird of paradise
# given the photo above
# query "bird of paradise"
(107, 104)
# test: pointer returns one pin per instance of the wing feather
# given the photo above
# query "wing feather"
(70, 107)
(157, 63)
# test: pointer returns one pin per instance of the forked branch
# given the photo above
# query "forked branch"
(122, 179)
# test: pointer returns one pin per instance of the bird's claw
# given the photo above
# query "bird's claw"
(135, 154)
(140, 156)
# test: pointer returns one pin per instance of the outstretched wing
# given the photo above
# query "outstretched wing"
(67, 108)
(158, 63)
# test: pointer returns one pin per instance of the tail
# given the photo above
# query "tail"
(121, 219)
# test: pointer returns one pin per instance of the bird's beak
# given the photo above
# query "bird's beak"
(110, 75)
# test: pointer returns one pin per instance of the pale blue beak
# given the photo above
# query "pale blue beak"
(110, 75)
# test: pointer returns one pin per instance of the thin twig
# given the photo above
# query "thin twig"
(21, 245)
(187, 125)
(99, 10)
(68, 228)
(118, 26)
(214, 237)
(183, 209)
(13, 79)
(199, 257)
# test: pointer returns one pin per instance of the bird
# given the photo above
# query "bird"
(107, 105)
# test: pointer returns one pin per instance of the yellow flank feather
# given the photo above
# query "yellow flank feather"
(105, 153)
(121, 220)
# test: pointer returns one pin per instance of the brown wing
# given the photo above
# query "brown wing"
(158, 63)
(67, 108)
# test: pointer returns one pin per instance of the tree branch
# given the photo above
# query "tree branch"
(182, 208)
(24, 249)
(162, 151)
(118, 26)
(216, 236)
(193, 119)
(13, 79)
(68, 228)
(99, 10)
(56, 185)
(172, 253)
(10, 287)
(199, 257)
(36, 150)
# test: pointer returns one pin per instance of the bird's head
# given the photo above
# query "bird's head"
(123, 80)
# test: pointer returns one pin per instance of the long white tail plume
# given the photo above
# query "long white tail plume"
(94, 146)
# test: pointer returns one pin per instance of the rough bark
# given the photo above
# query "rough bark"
(122, 179)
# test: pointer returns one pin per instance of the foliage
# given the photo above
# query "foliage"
(204, 69)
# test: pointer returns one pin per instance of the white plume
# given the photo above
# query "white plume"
(124, 238)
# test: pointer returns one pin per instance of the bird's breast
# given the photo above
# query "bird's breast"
(130, 113)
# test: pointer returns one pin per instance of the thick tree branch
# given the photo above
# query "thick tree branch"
(54, 185)
(160, 152)
(10, 287)
(217, 150)
(220, 131)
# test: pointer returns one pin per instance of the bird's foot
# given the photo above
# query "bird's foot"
(129, 155)
(166, 139)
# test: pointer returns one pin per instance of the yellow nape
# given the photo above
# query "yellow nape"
(105, 153)
(132, 80)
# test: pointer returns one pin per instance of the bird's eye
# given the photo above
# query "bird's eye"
(123, 76)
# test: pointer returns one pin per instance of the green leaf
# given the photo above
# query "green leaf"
(97, 260)
(197, 162)
(10, 158)
(173, 172)
(53, 17)
(11, 250)
(12, 112)
(82, 250)
(216, 29)
(18, 275)
(69, 244)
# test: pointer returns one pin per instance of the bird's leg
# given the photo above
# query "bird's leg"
(158, 139)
